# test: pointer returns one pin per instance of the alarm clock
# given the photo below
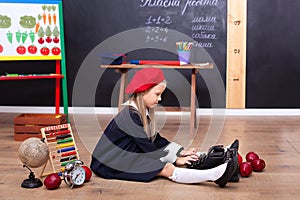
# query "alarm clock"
(74, 173)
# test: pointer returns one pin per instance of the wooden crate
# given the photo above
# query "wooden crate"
(29, 125)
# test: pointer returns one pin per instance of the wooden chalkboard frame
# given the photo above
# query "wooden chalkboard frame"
(236, 54)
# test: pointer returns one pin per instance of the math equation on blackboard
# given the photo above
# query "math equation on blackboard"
(202, 21)
(156, 29)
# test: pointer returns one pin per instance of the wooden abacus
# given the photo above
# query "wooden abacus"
(62, 147)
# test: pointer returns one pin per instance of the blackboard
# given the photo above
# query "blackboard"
(273, 54)
(146, 30)
(272, 76)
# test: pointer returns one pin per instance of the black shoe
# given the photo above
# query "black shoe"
(236, 176)
(235, 145)
(231, 159)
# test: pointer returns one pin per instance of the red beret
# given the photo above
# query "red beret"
(144, 79)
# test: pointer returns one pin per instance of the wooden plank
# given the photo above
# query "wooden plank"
(236, 54)
(40, 119)
(193, 104)
(24, 136)
(27, 128)
(189, 66)
(123, 84)
(29, 125)
(280, 179)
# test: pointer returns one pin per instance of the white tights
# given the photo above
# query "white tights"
(185, 175)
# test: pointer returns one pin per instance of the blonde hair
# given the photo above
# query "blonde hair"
(141, 108)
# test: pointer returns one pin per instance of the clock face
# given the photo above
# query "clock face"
(78, 175)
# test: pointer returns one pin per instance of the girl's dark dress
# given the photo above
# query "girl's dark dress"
(124, 151)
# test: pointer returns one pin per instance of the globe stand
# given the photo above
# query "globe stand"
(31, 182)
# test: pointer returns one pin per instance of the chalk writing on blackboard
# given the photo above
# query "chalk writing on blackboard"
(157, 28)
(156, 34)
(177, 3)
(158, 20)
(199, 19)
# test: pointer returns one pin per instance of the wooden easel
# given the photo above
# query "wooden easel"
(16, 36)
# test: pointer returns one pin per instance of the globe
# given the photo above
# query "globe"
(33, 152)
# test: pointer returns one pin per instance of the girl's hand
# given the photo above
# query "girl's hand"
(186, 160)
(188, 152)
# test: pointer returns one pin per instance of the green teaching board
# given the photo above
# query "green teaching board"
(33, 30)
(30, 30)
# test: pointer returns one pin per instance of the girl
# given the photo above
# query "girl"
(130, 149)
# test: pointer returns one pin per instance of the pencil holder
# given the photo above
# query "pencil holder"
(184, 57)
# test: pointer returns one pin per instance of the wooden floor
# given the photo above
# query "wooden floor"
(275, 139)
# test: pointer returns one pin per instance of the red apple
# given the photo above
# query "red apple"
(245, 169)
(240, 159)
(251, 156)
(258, 165)
(52, 181)
(88, 173)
